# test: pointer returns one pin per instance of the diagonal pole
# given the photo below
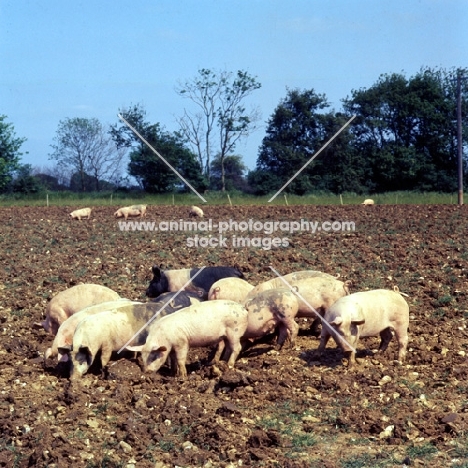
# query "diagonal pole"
(159, 155)
(312, 158)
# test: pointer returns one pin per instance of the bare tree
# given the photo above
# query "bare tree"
(219, 97)
(85, 147)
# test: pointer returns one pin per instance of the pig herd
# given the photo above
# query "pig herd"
(216, 307)
(129, 212)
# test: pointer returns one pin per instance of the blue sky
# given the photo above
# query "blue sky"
(63, 59)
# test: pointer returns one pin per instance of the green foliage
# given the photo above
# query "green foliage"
(403, 138)
(151, 172)
(298, 128)
(25, 182)
(9, 153)
(234, 173)
(405, 131)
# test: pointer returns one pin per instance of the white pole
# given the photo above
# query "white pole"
(47, 198)
(286, 200)
(229, 198)
(341, 199)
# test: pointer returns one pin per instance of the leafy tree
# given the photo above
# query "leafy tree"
(298, 128)
(24, 180)
(151, 172)
(9, 153)
(234, 173)
(220, 98)
(84, 146)
(405, 131)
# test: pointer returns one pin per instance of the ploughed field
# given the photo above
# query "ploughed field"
(274, 409)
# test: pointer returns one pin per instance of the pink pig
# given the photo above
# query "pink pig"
(368, 313)
(231, 289)
(290, 279)
(205, 324)
(66, 303)
(66, 330)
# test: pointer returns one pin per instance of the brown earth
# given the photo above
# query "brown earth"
(275, 409)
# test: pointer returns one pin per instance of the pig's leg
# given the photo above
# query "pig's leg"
(219, 352)
(106, 353)
(236, 348)
(173, 363)
(283, 335)
(323, 342)
(402, 344)
(351, 357)
(385, 338)
(181, 358)
(294, 331)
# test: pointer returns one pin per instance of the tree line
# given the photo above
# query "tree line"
(403, 137)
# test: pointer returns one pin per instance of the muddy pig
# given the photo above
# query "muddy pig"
(368, 313)
(231, 289)
(174, 280)
(205, 324)
(271, 309)
(66, 303)
(316, 292)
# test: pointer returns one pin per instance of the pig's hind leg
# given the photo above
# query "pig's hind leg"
(235, 347)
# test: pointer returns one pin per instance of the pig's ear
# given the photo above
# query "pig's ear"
(65, 349)
(358, 322)
(136, 348)
(337, 321)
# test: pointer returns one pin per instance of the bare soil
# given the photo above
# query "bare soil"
(275, 409)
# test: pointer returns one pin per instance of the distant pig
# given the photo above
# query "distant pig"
(70, 301)
(140, 208)
(368, 313)
(127, 211)
(196, 212)
(368, 201)
(205, 324)
(64, 336)
(82, 213)
(231, 289)
(271, 309)
(173, 280)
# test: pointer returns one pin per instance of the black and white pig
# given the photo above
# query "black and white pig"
(174, 280)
